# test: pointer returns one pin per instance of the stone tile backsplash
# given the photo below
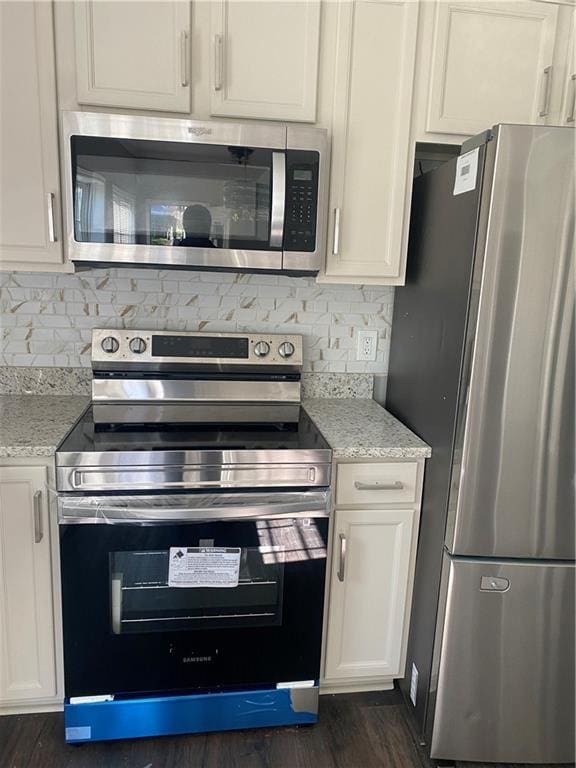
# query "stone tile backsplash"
(51, 380)
(46, 319)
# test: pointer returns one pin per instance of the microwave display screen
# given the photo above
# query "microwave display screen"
(198, 346)
(302, 175)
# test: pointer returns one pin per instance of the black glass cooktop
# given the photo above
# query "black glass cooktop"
(89, 436)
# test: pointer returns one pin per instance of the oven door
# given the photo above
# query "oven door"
(191, 592)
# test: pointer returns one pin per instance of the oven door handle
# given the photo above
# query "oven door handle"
(154, 510)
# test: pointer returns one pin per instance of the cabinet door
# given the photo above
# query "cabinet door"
(27, 656)
(133, 54)
(370, 568)
(371, 158)
(265, 59)
(491, 63)
(568, 108)
(29, 182)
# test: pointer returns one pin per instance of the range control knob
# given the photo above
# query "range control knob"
(110, 344)
(137, 345)
(261, 349)
(286, 349)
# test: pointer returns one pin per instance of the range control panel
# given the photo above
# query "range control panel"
(182, 347)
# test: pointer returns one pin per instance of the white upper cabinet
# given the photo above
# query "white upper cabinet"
(29, 177)
(371, 149)
(264, 61)
(490, 62)
(133, 54)
(568, 104)
(27, 655)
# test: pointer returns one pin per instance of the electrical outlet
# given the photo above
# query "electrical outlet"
(367, 342)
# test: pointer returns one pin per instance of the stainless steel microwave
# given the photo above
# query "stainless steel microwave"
(151, 191)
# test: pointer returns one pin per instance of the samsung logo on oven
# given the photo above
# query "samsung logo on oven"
(200, 131)
(195, 659)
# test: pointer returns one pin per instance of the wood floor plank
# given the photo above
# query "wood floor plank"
(18, 736)
(390, 738)
(369, 730)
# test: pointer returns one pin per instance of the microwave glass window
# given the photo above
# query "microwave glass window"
(171, 193)
(143, 600)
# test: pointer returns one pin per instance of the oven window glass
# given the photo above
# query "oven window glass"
(246, 590)
(139, 192)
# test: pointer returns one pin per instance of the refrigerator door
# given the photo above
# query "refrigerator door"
(506, 679)
(512, 490)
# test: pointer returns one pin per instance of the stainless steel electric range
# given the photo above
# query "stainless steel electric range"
(193, 503)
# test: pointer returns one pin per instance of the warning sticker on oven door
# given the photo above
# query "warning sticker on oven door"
(204, 566)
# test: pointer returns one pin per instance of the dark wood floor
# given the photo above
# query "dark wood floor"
(355, 731)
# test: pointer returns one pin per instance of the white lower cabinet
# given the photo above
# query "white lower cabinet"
(370, 568)
(372, 561)
(27, 639)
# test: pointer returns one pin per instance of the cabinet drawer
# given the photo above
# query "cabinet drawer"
(385, 483)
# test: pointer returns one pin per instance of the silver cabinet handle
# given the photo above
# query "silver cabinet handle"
(571, 117)
(342, 560)
(38, 527)
(218, 62)
(377, 486)
(51, 227)
(184, 59)
(336, 238)
(545, 100)
(278, 199)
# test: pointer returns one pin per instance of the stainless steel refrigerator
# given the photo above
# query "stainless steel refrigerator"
(482, 368)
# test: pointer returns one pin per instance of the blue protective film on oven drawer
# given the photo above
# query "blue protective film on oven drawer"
(170, 715)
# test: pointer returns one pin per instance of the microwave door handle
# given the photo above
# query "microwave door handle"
(278, 199)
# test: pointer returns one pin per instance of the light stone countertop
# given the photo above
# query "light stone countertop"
(33, 425)
(359, 428)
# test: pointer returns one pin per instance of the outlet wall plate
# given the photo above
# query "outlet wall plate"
(366, 345)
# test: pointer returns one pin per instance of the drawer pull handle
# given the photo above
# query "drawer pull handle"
(377, 486)
(38, 527)
(342, 560)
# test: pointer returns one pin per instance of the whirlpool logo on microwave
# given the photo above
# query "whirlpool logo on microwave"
(195, 659)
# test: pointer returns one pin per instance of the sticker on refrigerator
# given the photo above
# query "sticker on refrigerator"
(466, 172)
(413, 684)
(204, 566)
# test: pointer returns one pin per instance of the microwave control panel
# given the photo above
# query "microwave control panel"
(301, 200)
